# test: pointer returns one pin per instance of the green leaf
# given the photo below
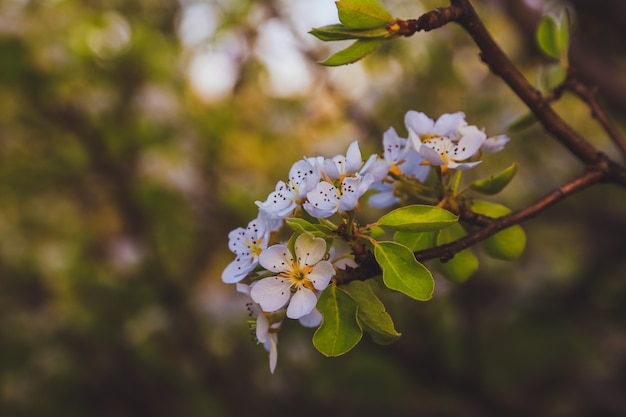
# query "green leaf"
(340, 330)
(339, 32)
(352, 53)
(299, 225)
(372, 313)
(376, 231)
(522, 121)
(550, 76)
(508, 244)
(402, 272)
(417, 218)
(495, 184)
(548, 36)
(363, 14)
(464, 263)
(416, 240)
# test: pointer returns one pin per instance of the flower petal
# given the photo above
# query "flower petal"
(280, 202)
(463, 166)
(418, 123)
(309, 249)
(262, 328)
(237, 269)
(430, 154)
(468, 145)
(271, 293)
(494, 144)
(271, 345)
(302, 303)
(276, 258)
(321, 274)
(447, 124)
(353, 158)
(322, 201)
(313, 319)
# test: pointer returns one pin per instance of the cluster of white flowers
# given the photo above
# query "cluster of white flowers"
(286, 280)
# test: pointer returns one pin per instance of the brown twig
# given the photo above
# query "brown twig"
(589, 96)
(490, 226)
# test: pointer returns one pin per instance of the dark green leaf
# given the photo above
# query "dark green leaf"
(372, 313)
(402, 272)
(340, 330)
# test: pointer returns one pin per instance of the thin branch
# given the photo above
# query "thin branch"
(491, 226)
(501, 66)
(589, 96)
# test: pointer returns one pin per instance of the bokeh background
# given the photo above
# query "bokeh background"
(134, 135)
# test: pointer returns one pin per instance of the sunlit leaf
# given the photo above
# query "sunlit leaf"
(495, 184)
(352, 53)
(340, 330)
(363, 14)
(464, 263)
(402, 272)
(372, 313)
(339, 32)
(416, 240)
(548, 36)
(418, 218)
(508, 244)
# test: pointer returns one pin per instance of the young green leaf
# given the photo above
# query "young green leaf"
(508, 244)
(463, 264)
(550, 76)
(340, 32)
(372, 313)
(299, 225)
(352, 53)
(495, 184)
(340, 330)
(363, 14)
(417, 218)
(416, 240)
(548, 36)
(402, 272)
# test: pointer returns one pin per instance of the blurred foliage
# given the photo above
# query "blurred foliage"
(121, 174)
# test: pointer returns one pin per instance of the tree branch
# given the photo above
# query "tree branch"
(589, 96)
(500, 65)
(490, 225)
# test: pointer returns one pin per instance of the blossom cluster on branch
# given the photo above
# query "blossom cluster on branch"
(320, 201)
(323, 272)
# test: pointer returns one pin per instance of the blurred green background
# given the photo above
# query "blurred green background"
(134, 135)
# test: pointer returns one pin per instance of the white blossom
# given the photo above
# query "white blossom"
(297, 277)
